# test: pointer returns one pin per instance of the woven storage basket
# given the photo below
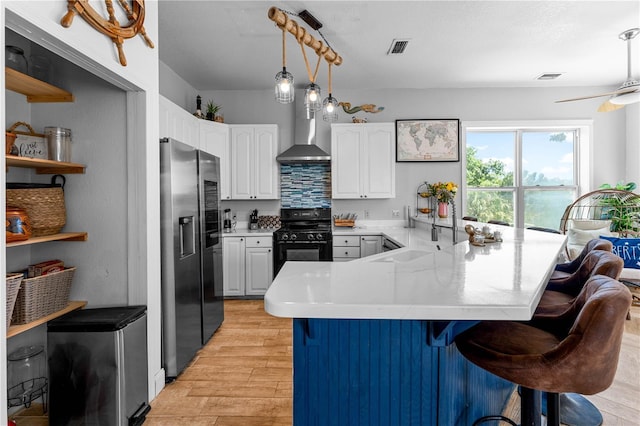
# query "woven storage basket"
(44, 204)
(13, 285)
(43, 295)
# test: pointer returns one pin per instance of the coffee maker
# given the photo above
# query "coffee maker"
(253, 219)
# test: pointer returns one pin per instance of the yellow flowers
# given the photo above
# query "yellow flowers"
(443, 191)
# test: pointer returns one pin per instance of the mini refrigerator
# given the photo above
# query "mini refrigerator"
(98, 367)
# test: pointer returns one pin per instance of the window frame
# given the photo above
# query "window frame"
(582, 156)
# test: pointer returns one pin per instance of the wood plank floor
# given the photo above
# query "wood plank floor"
(243, 377)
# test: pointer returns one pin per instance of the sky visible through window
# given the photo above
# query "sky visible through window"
(540, 153)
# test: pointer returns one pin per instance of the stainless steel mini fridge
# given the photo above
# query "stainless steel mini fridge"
(98, 367)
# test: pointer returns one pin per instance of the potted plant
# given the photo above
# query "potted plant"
(212, 110)
(621, 206)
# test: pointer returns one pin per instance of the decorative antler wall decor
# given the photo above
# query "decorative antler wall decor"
(111, 27)
(346, 106)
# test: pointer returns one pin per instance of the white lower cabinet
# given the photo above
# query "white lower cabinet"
(233, 271)
(370, 245)
(248, 265)
(349, 247)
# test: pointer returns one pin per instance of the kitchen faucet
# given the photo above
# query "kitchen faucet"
(453, 226)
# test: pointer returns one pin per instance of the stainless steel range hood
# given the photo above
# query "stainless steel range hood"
(304, 149)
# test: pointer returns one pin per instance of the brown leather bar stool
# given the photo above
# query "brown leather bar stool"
(580, 355)
(556, 301)
(560, 293)
(563, 270)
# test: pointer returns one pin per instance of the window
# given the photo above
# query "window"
(523, 175)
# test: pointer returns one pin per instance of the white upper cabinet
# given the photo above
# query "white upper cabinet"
(254, 170)
(214, 139)
(363, 160)
(178, 124)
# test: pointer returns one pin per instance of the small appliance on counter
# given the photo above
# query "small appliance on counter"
(227, 220)
(253, 219)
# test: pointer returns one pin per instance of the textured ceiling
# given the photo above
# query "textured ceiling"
(218, 45)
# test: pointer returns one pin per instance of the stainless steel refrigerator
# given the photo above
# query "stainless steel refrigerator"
(192, 299)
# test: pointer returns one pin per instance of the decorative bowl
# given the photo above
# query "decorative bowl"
(424, 210)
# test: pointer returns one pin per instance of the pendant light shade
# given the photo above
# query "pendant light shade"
(284, 87)
(284, 80)
(330, 109)
(330, 105)
(312, 97)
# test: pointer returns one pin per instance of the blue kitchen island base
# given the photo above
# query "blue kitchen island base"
(387, 372)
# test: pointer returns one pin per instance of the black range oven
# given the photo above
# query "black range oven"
(304, 235)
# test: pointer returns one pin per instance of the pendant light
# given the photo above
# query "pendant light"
(285, 92)
(313, 97)
(330, 105)
(312, 93)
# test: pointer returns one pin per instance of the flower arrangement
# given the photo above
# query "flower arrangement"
(443, 191)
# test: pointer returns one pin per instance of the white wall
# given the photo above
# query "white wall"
(492, 104)
(633, 144)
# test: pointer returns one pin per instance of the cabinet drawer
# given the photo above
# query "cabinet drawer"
(259, 241)
(346, 241)
(349, 252)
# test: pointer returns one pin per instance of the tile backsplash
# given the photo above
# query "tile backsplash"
(305, 185)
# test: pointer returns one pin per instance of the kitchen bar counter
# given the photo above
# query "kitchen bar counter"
(373, 339)
(500, 281)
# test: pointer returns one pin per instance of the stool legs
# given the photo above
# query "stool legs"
(553, 409)
(530, 403)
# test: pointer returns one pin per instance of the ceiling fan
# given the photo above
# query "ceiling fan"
(628, 92)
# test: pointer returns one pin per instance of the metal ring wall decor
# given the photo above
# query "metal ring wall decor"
(111, 27)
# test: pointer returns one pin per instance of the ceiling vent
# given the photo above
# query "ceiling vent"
(398, 46)
(549, 76)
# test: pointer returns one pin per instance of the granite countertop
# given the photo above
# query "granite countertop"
(424, 279)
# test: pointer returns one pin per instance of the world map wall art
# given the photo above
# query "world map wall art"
(428, 140)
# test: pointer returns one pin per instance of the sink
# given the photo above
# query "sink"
(401, 256)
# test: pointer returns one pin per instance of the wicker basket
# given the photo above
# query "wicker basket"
(13, 285)
(43, 295)
(44, 204)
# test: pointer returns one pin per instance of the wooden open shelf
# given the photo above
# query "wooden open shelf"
(21, 328)
(65, 236)
(45, 166)
(35, 90)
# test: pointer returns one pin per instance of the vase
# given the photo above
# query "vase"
(443, 209)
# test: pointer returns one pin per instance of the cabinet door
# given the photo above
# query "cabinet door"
(259, 270)
(266, 180)
(214, 139)
(345, 161)
(378, 161)
(178, 123)
(233, 275)
(370, 245)
(242, 162)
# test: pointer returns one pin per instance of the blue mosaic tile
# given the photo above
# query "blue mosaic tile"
(305, 185)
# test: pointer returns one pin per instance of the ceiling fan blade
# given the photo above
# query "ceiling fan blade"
(608, 106)
(615, 92)
(585, 97)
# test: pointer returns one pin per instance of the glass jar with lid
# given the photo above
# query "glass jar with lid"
(14, 58)
(27, 376)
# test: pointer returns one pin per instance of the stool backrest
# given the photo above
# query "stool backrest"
(596, 262)
(594, 244)
(587, 358)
